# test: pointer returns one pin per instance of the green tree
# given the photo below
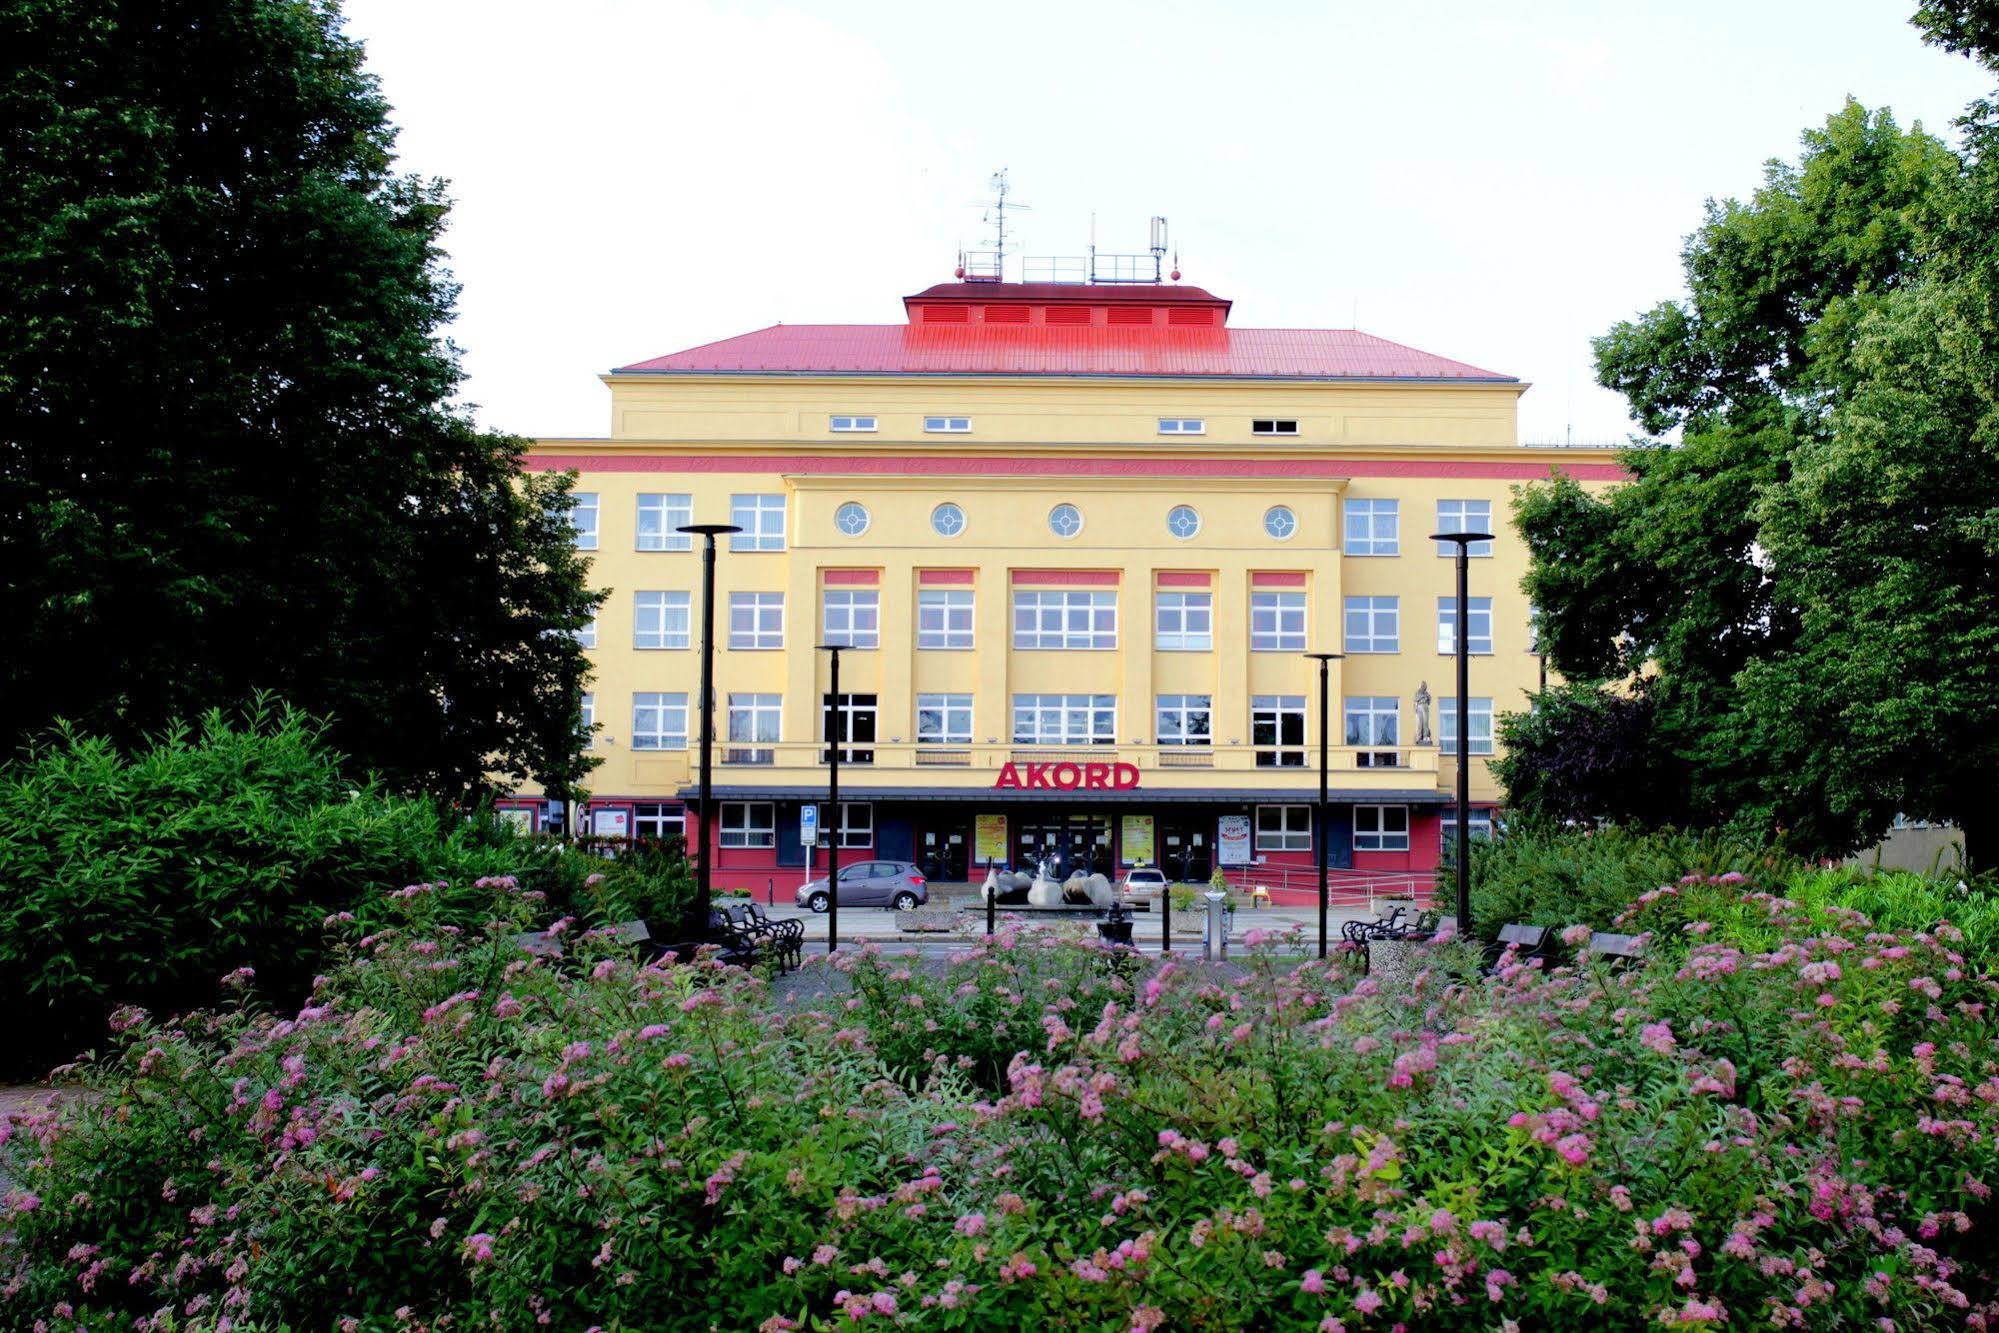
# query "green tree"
(1805, 686)
(230, 459)
(1584, 755)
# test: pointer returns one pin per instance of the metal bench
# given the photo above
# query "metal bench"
(783, 940)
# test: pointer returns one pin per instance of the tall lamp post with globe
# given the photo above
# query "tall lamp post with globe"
(1461, 633)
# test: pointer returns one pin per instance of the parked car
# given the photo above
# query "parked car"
(897, 884)
(1144, 882)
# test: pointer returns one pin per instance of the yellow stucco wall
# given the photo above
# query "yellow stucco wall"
(1032, 443)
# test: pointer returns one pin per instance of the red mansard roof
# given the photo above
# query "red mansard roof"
(975, 328)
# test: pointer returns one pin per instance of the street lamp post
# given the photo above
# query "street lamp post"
(1325, 661)
(1463, 541)
(704, 869)
(834, 725)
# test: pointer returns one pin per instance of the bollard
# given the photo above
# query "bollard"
(1215, 936)
(1165, 919)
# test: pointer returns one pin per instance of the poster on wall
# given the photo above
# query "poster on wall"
(611, 823)
(1232, 840)
(989, 838)
(1136, 840)
(519, 816)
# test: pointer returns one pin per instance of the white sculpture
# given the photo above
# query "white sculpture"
(1045, 891)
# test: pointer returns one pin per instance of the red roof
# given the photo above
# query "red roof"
(1034, 349)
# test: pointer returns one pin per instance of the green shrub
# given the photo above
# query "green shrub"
(141, 878)
(1562, 877)
(452, 1134)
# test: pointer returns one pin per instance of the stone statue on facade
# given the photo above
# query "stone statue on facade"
(1423, 736)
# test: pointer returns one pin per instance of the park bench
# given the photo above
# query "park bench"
(1527, 942)
(783, 941)
(1621, 950)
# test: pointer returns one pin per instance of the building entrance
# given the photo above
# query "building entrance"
(944, 851)
(1186, 849)
(1070, 842)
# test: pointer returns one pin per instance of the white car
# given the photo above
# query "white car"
(1143, 882)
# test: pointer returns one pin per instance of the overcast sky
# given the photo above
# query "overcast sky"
(1495, 182)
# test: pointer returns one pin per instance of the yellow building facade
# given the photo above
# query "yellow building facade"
(1077, 541)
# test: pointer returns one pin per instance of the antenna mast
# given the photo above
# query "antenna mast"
(990, 265)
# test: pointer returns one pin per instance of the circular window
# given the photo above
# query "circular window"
(851, 518)
(947, 520)
(1280, 522)
(1183, 521)
(1065, 520)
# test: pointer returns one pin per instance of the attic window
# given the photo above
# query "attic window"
(852, 423)
(1189, 315)
(947, 425)
(1140, 314)
(1068, 314)
(947, 314)
(1269, 426)
(1006, 314)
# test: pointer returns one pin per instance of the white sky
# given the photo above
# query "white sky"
(1492, 182)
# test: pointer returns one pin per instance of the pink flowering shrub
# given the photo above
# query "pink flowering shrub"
(451, 1134)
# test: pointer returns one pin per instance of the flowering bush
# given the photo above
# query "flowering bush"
(451, 1133)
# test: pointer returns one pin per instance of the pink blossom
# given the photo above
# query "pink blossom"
(478, 1247)
(1368, 1302)
(1313, 1282)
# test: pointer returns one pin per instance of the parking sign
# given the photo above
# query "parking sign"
(808, 826)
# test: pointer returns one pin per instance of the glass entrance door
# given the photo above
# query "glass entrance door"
(944, 852)
(1068, 842)
(1186, 850)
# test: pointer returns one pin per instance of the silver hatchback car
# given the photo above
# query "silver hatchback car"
(897, 884)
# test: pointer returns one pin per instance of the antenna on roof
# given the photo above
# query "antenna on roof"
(990, 265)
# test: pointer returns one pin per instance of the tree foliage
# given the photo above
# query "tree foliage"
(1808, 575)
(229, 456)
(1585, 755)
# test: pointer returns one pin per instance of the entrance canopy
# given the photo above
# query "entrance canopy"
(1137, 796)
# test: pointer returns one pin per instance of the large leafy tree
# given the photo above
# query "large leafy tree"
(229, 455)
(1807, 577)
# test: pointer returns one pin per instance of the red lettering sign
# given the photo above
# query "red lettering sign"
(1067, 777)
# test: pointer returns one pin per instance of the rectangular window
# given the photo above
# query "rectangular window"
(1065, 719)
(1478, 610)
(1381, 828)
(1277, 622)
(852, 617)
(587, 636)
(857, 824)
(1447, 726)
(943, 719)
(756, 620)
(659, 722)
(761, 518)
(660, 518)
(1272, 426)
(583, 517)
(661, 620)
(1481, 827)
(849, 720)
(1283, 828)
(1184, 622)
(1374, 625)
(752, 717)
(947, 425)
(852, 423)
(1184, 719)
(943, 618)
(1065, 620)
(1277, 729)
(1182, 426)
(589, 720)
(1464, 516)
(1373, 527)
(1534, 629)
(749, 824)
(1374, 720)
(657, 820)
